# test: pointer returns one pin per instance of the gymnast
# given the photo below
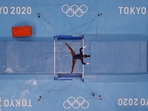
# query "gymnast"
(79, 56)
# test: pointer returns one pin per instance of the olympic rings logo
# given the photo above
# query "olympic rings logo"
(74, 9)
(75, 103)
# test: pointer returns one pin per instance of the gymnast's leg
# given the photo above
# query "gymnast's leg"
(73, 65)
(73, 54)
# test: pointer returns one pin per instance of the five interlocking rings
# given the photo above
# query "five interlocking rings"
(74, 9)
(75, 103)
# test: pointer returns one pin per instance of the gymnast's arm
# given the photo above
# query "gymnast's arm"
(82, 48)
(83, 62)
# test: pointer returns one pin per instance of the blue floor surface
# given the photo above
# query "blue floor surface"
(115, 33)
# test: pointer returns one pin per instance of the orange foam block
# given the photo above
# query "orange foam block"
(21, 31)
